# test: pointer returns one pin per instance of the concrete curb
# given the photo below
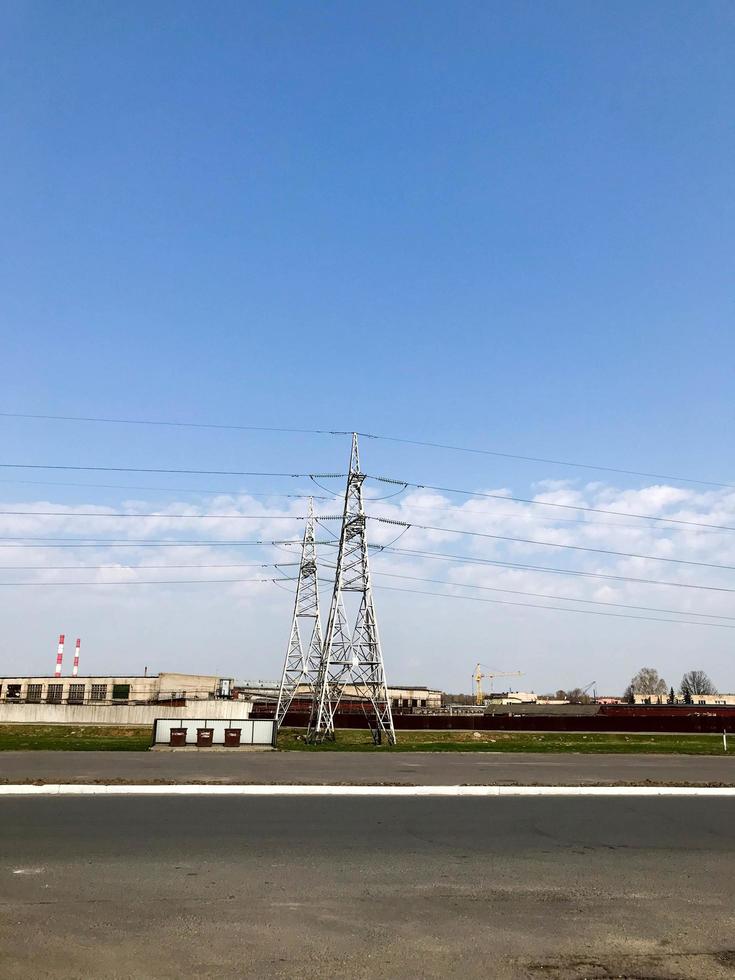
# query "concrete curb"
(183, 789)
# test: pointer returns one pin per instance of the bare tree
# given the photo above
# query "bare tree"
(697, 682)
(646, 681)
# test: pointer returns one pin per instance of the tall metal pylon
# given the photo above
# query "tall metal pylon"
(354, 659)
(301, 666)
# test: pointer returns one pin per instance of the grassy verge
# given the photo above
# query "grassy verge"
(79, 738)
(360, 741)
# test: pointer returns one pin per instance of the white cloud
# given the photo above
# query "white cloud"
(240, 628)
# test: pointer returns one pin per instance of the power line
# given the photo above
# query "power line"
(420, 486)
(415, 578)
(53, 543)
(532, 605)
(143, 469)
(541, 459)
(174, 425)
(134, 568)
(104, 543)
(470, 560)
(562, 598)
(548, 503)
(203, 491)
(187, 517)
(365, 435)
(181, 581)
(554, 544)
(556, 520)
(441, 595)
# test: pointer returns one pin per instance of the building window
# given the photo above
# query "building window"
(13, 692)
(35, 692)
(76, 694)
(99, 692)
(423, 702)
(53, 693)
(120, 692)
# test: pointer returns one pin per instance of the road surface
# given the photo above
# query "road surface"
(406, 768)
(366, 888)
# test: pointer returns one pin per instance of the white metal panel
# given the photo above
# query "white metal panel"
(262, 732)
(163, 729)
(218, 728)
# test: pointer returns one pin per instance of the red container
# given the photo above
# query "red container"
(205, 737)
(177, 737)
(232, 736)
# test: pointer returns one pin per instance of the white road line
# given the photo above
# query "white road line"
(183, 789)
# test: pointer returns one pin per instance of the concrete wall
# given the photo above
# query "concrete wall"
(123, 714)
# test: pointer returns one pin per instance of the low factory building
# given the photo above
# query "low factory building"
(117, 700)
(114, 690)
(410, 696)
(400, 697)
(701, 700)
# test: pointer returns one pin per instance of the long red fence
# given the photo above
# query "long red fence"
(609, 718)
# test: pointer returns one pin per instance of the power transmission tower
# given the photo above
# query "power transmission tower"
(301, 666)
(352, 659)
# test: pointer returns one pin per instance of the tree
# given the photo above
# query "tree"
(647, 682)
(672, 696)
(574, 695)
(697, 682)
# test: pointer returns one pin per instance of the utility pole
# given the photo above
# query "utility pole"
(356, 658)
(301, 666)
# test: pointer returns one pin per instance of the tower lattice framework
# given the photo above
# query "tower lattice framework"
(301, 666)
(352, 658)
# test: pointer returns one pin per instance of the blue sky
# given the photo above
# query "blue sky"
(507, 225)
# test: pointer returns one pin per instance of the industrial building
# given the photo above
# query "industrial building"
(702, 700)
(112, 689)
(410, 696)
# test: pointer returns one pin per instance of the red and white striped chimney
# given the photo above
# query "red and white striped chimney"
(59, 656)
(75, 668)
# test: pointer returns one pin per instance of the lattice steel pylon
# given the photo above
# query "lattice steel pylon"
(301, 666)
(355, 659)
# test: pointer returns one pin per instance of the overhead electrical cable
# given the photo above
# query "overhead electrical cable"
(195, 490)
(542, 459)
(177, 517)
(549, 503)
(134, 568)
(552, 518)
(270, 581)
(561, 598)
(365, 435)
(554, 544)
(148, 469)
(174, 425)
(414, 553)
(532, 605)
(414, 578)
(194, 581)
(102, 543)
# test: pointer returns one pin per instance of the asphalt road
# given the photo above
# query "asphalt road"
(407, 768)
(366, 888)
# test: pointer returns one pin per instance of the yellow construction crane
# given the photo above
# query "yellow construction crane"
(478, 677)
